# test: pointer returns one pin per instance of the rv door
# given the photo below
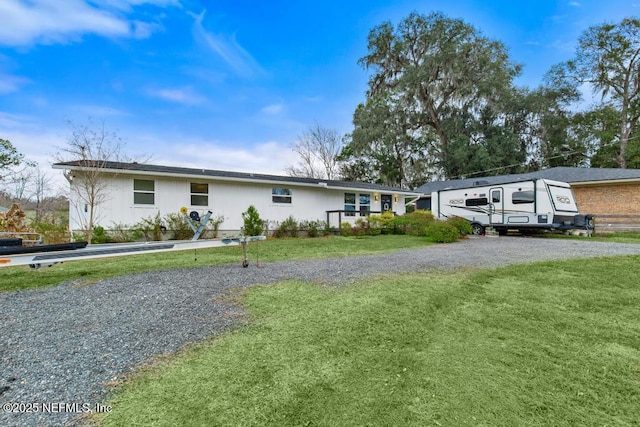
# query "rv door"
(496, 206)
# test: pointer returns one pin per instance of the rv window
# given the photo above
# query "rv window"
(521, 197)
(495, 196)
(479, 201)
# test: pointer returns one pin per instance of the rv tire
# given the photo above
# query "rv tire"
(477, 229)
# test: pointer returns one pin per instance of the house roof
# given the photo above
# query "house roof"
(148, 169)
(571, 175)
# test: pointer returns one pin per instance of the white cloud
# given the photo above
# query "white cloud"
(127, 5)
(88, 110)
(9, 84)
(227, 48)
(184, 95)
(27, 22)
(269, 157)
(14, 121)
(273, 109)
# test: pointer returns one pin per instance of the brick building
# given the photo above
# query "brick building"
(612, 195)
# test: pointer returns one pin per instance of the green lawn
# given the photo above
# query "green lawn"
(88, 271)
(554, 343)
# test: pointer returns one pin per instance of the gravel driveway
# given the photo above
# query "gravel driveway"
(62, 345)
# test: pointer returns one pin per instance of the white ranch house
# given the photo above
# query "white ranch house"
(134, 191)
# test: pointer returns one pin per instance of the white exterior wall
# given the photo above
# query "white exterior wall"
(226, 198)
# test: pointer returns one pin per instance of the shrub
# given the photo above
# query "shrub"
(253, 224)
(179, 227)
(214, 226)
(151, 228)
(313, 228)
(121, 233)
(441, 232)
(381, 223)
(361, 228)
(287, 228)
(51, 233)
(413, 223)
(345, 229)
(462, 225)
(99, 235)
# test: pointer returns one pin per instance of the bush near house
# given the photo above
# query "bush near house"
(287, 228)
(51, 233)
(253, 224)
(414, 223)
(315, 228)
(462, 225)
(442, 232)
(381, 223)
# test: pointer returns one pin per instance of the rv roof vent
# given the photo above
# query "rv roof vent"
(479, 183)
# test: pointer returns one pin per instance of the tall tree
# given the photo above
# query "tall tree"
(442, 72)
(599, 129)
(9, 157)
(385, 134)
(318, 149)
(89, 147)
(550, 135)
(608, 59)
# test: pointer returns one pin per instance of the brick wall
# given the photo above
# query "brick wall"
(616, 206)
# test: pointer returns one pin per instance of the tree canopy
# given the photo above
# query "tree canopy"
(607, 59)
(436, 92)
(9, 157)
(442, 103)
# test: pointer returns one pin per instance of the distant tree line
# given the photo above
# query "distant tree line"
(442, 104)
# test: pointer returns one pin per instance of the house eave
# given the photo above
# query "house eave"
(251, 180)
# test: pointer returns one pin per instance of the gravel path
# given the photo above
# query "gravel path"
(66, 343)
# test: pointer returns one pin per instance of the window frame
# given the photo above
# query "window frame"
(281, 195)
(194, 195)
(476, 201)
(364, 208)
(523, 197)
(349, 205)
(144, 192)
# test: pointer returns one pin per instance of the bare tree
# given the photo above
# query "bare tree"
(88, 150)
(41, 184)
(318, 149)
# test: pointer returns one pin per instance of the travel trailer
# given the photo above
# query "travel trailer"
(526, 206)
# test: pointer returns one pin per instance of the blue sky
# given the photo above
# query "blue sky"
(230, 84)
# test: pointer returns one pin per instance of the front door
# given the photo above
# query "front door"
(385, 202)
(496, 206)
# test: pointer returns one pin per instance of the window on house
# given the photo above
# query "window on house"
(199, 194)
(280, 195)
(365, 204)
(143, 192)
(522, 197)
(350, 204)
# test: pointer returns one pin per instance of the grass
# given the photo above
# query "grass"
(555, 343)
(89, 271)
(619, 237)
(616, 237)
